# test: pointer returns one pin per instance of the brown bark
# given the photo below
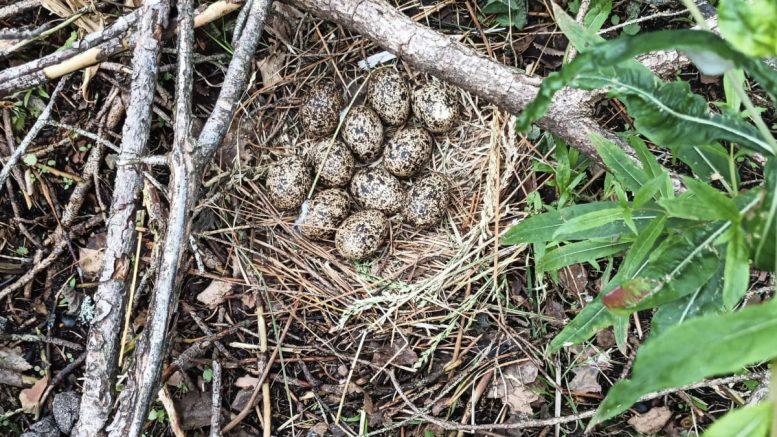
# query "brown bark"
(110, 298)
(570, 116)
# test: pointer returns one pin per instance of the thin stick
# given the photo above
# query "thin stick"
(31, 134)
(261, 327)
(350, 375)
(215, 409)
(17, 8)
(131, 300)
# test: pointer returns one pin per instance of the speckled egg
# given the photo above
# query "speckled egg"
(334, 164)
(363, 133)
(407, 152)
(320, 111)
(389, 95)
(288, 182)
(375, 188)
(322, 215)
(427, 201)
(436, 107)
(361, 235)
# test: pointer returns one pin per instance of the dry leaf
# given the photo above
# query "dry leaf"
(573, 278)
(318, 430)
(585, 381)
(213, 294)
(90, 260)
(246, 382)
(194, 410)
(11, 359)
(271, 67)
(400, 355)
(511, 387)
(30, 397)
(651, 422)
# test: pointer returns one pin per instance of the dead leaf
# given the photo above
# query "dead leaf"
(241, 399)
(271, 67)
(585, 381)
(194, 410)
(400, 355)
(318, 430)
(214, 293)
(511, 387)
(11, 359)
(246, 382)
(30, 397)
(651, 422)
(573, 278)
(90, 261)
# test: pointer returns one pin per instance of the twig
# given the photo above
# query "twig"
(17, 8)
(30, 338)
(215, 409)
(538, 423)
(31, 134)
(96, 138)
(172, 413)
(257, 388)
(103, 340)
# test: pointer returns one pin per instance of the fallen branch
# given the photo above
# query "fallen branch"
(187, 162)
(93, 49)
(102, 342)
(18, 8)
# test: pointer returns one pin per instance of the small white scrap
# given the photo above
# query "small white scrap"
(378, 58)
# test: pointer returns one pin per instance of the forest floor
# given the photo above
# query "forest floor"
(448, 319)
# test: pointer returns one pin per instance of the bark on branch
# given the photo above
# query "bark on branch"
(110, 298)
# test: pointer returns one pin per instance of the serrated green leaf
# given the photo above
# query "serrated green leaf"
(708, 162)
(751, 26)
(748, 421)
(713, 198)
(696, 349)
(677, 268)
(669, 114)
(619, 164)
(581, 251)
(737, 271)
(706, 300)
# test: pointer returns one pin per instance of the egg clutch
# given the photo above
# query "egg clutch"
(377, 190)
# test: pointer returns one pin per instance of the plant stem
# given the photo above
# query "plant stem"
(773, 395)
(736, 85)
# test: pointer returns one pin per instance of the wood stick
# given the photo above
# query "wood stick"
(103, 340)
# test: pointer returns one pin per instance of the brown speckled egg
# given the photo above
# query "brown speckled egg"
(288, 182)
(407, 152)
(363, 133)
(375, 188)
(427, 201)
(320, 111)
(334, 164)
(322, 215)
(389, 95)
(361, 235)
(436, 107)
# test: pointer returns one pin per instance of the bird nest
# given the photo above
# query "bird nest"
(423, 285)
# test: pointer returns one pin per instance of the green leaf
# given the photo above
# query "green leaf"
(733, 102)
(634, 261)
(751, 26)
(29, 159)
(714, 199)
(207, 374)
(591, 319)
(598, 11)
(737, 271)
(761, 226)
(707, 299)
(696, 349)
(580, 251)
(677, 268)
(669, 114)
(652, 189)
(708, 162)
(619, 163)
(585, 222)
(748, 421)
(508, 12)
(541, 228)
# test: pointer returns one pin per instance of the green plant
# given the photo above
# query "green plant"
(687, 253)
(157, 415)
(508, 13)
